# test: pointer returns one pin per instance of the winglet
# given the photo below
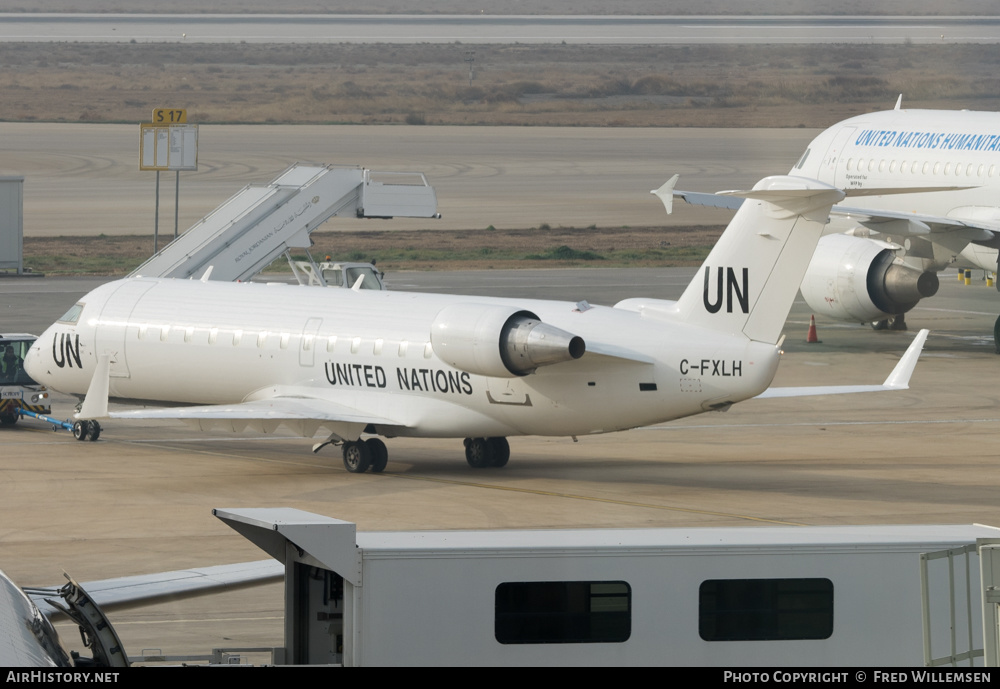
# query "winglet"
(95, 404)
(899, 379)
(666, 193)
(899, 102)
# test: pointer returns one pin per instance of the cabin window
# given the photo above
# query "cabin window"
(285, 339)
(850, 162)
(428, 350)
(563, 612)
(765, 609)
(403, 346)
(980, 171)
(73, 315)
(164, 332)
(377, 349)
(947, 168)
(188, 334)
(927, 167)
(881, 166)
(958, 169)
(261, 339)
(916, 165)
(892, 166)
(331, 343)
(213, 335)
(993, 168)
(355, 345)
(802, 160)
(861, 165)
(237, 337)
(937, 168)
(871, 165)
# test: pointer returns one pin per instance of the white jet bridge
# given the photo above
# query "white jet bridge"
(261, 222)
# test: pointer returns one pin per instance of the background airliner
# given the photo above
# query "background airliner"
(882, 251)
(391, 364)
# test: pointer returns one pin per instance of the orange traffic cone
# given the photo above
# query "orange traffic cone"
(811, 337)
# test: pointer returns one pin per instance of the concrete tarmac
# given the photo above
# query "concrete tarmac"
(140, 499)
(84, 179)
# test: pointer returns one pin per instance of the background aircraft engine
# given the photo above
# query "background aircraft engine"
(500, 341)
(857, 279)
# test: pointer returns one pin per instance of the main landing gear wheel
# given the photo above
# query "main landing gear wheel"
(357, 456)
(86, 430)
(486, 452)
(501, 451)
(379, 454)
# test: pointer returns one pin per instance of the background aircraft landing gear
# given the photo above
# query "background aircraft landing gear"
(486, 452)
(896, 322)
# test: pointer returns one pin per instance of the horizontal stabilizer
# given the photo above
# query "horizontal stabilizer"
(899, 379)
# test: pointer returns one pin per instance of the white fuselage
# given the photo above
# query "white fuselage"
(189, 342)
(911, 149)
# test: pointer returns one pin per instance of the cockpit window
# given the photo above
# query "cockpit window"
(802, 160)
(73, 315)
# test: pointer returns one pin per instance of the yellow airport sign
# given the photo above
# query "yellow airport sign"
(170, 116)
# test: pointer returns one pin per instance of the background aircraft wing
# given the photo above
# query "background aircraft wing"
(149, 588)
(954, 233)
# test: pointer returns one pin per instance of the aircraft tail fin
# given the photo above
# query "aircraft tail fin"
(750, 278)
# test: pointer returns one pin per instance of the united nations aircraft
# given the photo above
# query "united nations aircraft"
(883, 251)
(393, 364)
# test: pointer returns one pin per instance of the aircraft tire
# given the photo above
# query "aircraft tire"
(357, 457)
(379, 455)
(81, 429)
(94, 432)
(996, 336)
(897, 322)
(501, 451)
(880, 325)
(8, 419)
(478, 453)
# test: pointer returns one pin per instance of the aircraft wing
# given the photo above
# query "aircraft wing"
(150, 588)
(899, 379)
(271, 409)
(304, 415)
(954, 233)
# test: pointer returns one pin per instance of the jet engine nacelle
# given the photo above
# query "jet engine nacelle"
(499, 341)
(857, 279)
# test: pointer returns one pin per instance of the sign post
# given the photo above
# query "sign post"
(168, 143)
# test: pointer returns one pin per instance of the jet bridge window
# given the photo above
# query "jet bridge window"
(563, 612)
(765, 609)
(73, 315)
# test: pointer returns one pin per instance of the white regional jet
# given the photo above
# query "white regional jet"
(392, 364)
(885, 249)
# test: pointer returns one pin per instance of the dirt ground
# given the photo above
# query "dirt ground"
(393, 250)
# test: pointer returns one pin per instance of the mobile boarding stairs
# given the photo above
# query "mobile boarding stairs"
(261, 222)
